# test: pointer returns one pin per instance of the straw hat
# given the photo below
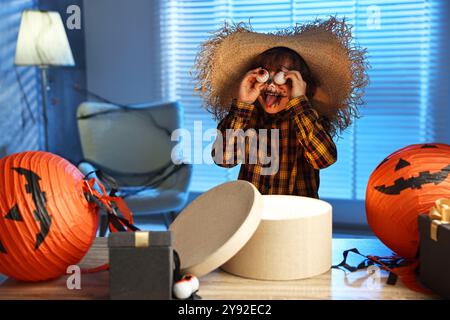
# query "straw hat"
(338, 65)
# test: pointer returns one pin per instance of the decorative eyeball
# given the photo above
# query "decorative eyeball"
(193, 280)
(182, 289)
(279, 78)
(262, 76)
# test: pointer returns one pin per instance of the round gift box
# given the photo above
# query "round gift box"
(250, 235)
(292, 241)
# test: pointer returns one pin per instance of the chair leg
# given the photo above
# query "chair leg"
(167, 221)
(173, 215)
(169, 217)
(103, 229)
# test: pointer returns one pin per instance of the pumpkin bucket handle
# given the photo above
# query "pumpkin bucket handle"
(119, 215)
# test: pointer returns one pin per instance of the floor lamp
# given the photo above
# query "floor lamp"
(43, 42)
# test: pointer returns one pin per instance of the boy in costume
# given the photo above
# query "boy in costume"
(305, 82)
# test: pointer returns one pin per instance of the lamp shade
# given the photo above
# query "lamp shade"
(42, 40)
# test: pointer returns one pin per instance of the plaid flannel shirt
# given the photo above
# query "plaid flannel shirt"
(304, 146)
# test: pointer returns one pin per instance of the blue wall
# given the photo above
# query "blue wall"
(64, 100)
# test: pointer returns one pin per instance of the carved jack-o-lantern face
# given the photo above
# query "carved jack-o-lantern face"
(46, 223)
(40, 213)
(404, 185)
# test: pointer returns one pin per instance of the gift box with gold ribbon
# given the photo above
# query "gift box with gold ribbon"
(434, 253)
(141, 265)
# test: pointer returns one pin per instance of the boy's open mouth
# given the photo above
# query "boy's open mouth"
(272, 98)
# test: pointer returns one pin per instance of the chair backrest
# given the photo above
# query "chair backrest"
(135, 140)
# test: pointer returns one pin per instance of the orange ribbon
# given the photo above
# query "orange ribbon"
(107, 200)
(439, 214)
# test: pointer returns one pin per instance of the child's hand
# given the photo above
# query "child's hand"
(298, 85)
(250, 89)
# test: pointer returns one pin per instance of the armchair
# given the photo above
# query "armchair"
(133, 145)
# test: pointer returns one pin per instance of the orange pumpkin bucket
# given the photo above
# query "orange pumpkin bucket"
(46, 220)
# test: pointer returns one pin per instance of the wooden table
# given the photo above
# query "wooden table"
(334, 284)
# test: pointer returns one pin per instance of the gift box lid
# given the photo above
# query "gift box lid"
(140, 239)
(425, 227)
(216, 225)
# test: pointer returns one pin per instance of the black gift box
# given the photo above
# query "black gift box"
(434, 256)
(141, 265)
